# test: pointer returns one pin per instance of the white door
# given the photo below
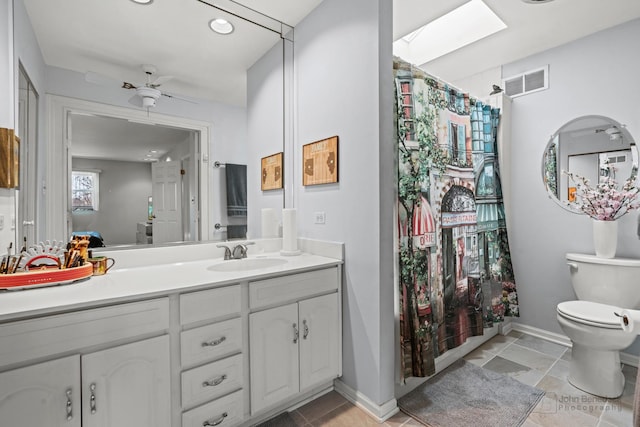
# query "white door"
(319, 338)
(167, 201)
(127, 386)
(273, 339)
(43, 395)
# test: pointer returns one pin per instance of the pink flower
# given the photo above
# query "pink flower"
(605, 201)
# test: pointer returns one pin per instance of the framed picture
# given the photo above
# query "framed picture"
(7, 138)
(320, 162)
(15, 162)
(271, 174)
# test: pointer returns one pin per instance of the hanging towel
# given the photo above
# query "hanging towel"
(236, 190)
(237, 231)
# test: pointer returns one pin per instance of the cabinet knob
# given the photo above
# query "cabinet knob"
(215, 422)
(214, 382)
(305, 333)
(214, 342)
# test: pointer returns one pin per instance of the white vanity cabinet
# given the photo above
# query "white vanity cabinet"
(212, 357)
(124, 385)
(295, 346)
(44, 395)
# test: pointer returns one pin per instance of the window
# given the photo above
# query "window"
(85, 190)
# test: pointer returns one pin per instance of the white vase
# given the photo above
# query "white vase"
(605, 238)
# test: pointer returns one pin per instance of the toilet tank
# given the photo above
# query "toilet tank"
(613, 281)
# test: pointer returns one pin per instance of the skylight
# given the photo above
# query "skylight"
(467, 24)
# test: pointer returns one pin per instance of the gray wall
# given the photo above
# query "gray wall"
(124, 190)
(344, 84)
(265, 133)
(594, 75)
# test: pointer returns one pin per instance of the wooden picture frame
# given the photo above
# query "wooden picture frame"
(7, 138)
(320, 162)
(272, 172)
(15, 162)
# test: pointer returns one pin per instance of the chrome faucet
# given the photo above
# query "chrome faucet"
(238, 251)
(227, 251)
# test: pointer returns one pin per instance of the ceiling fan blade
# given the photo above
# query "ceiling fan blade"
(160, 80)
(168, 95)
(136, 100)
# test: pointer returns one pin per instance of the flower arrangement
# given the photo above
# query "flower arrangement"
(606, 201)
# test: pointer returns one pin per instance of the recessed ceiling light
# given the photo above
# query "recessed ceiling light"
(142, 1)
(536, 1)
(221, 26)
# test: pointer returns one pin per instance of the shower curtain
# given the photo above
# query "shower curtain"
(455, 272)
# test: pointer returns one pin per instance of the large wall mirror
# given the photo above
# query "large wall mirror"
(132, 88)
(587, 146)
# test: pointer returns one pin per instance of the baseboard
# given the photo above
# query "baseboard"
(542, 333)
(380, 413)
(626, 358)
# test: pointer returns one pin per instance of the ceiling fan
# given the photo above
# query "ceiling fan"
(147, 93)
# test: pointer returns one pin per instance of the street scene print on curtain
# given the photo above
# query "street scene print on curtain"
(455, 272)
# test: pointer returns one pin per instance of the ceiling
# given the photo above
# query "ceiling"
(114, 38)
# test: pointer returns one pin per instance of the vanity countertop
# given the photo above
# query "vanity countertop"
(130, 284)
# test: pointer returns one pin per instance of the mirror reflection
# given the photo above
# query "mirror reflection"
(590, 146)
(160, 72)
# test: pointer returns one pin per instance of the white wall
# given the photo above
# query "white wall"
(119, 181)
(265, 104)
(594, 75)
(344, 87)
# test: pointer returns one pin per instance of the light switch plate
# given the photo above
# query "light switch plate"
(319, 217)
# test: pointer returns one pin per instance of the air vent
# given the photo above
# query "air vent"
(525, 83)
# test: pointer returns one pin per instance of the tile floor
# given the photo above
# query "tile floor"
(533, 361)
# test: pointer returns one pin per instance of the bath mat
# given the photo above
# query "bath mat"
(282, 420)
(466, 395)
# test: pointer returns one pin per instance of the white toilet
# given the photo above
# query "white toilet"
(604, 286)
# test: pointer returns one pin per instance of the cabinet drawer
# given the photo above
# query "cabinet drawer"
(290, 288)
(49, 335)
(226, 411)
(205, 305)
(211, 381)
(210, 341)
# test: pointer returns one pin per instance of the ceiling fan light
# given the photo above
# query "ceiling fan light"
(221, 26)
(148, 102)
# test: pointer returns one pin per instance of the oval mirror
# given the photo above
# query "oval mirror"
(587, 146)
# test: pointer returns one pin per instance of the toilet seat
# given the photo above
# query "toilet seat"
(591, 314)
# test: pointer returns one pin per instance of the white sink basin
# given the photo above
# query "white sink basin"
(246, 264)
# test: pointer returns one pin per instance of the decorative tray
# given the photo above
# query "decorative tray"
(44, 277)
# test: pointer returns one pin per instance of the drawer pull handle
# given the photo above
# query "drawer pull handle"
(69, 406)
(214, 342)
(306, 329)
(212, 422)
(213, 383)
(296, 334)
(92, 398)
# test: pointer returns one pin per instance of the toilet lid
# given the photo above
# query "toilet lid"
(591, 313)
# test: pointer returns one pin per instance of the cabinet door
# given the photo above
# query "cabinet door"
(127, 386)
(273, 340)
(319, 340)
(43, 395)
